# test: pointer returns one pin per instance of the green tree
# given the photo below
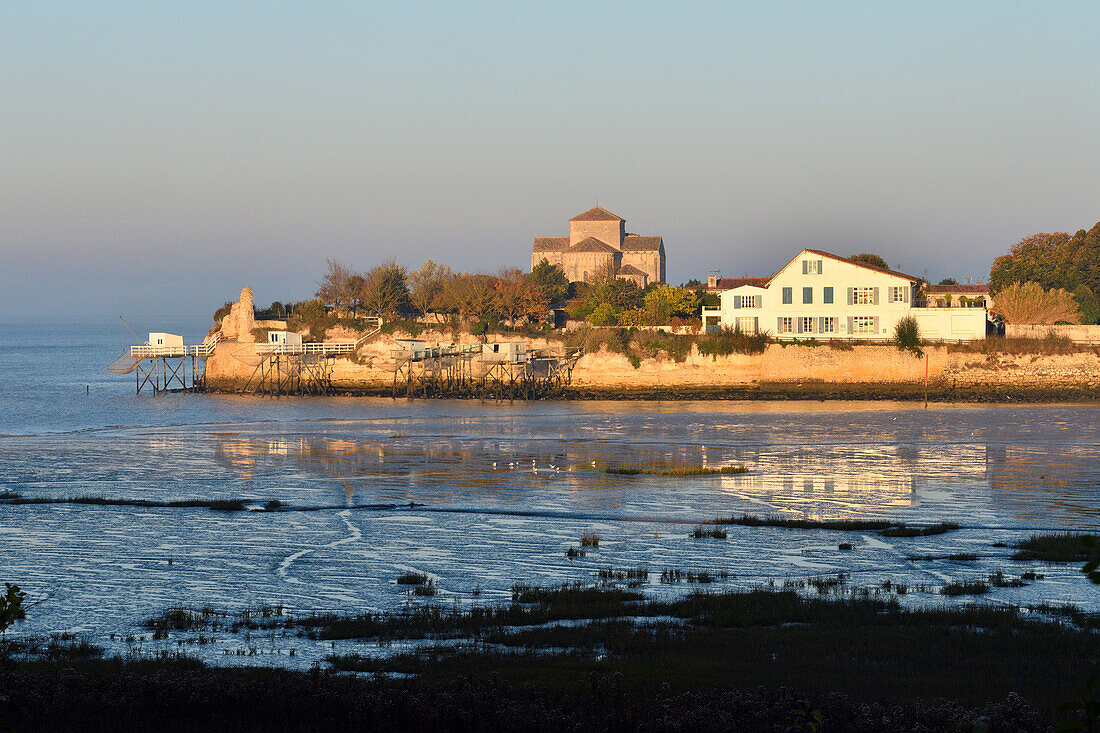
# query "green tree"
(907, 336)
(869, 259)
(550, 281)
(1054, 260)
(949, 281)
(607, 289)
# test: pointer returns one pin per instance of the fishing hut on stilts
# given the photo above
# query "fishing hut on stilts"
(161, 363)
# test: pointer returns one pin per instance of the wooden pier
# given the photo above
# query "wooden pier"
(476, 371)
(163, 367)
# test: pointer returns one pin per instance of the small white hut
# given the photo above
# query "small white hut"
(166, 340)
(506, 352)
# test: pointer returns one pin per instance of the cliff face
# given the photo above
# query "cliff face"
(604, 372)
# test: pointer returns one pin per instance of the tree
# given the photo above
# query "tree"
(869, 259)
(662, 304)
(949, 281)
(11, 607)
(607, 289)
(1030, 303)
(426, 287)
(385, 290)
(907, 336)
(1054, 260)
(550, 281)
(335, 286)
(472, 296)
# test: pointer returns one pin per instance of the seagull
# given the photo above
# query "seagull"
(494, 465)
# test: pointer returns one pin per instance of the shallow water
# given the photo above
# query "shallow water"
(499, 493)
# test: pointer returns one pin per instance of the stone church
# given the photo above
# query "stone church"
(598, 237)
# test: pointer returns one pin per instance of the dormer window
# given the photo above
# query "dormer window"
(811, 267)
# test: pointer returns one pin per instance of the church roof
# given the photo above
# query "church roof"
(597, 213)
(631, 270)
(591, 245)
(551, 244)
(635, 243)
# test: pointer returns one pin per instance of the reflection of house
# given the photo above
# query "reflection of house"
(821, 295)
(598, 239)
(947, 296)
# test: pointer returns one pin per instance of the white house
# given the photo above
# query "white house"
(169, 340)
(821, 295)
(284, 338)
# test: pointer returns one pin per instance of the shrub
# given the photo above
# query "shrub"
(965, 588)
(590, 539)
(1029, 302)
(411, 578)
(708, 533)
(907, 336)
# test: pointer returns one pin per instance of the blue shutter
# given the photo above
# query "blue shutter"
(736, 301)
(805, 266)
(851, 324)
(798, 325)
(851, 296)
(819, 270)
(827, 295)
(876, 296)
(779, 324)
(756, 325)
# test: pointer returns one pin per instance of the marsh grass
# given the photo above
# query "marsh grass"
(701, 532)
(9, 495)
(965, 588)
(1054, 547)
(906, 531)
(842, 525)
(573, 553)
(683, 471)
(590, 539)
(955, 557)
(411, 578)
(226, 505)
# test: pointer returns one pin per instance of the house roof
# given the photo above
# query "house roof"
(551, 244)
(729, 283)
(631, 270)
(591, 245)
(597, 213)
(636, 243)
(961, 289)
(864, 265)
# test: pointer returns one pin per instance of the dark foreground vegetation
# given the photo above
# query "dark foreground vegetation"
(583, 658)
(886, 528)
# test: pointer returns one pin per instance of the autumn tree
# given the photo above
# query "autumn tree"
(606, 298)
(472, 296)
(427, 286)
(335, 286)
(662, 304)
(385, 290)
(1054, 260)
(1031, 303)
(869, 259)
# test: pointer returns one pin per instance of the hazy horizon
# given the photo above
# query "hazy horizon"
(155, 158)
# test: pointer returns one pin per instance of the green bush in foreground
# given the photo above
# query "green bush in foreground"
(907, 336)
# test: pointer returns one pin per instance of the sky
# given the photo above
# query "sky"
(155, 157)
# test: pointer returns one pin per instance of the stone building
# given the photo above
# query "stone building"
(598, 237)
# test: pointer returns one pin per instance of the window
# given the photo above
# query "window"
(863, 296)
(786, 325)
(863, 324)
(828, 325)
(827, 296)
(811, 267)
(807, 324)
(899, 293)
(747, 301)
(788, 296)
(807, 295)
(746, 324)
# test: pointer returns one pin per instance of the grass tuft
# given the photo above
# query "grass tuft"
(1055, 547)
(682, 471)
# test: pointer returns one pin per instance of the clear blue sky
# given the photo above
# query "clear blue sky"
(156, 156)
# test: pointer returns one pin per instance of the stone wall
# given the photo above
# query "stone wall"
(793, 365)
(1077, 333)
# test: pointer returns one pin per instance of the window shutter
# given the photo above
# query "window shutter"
(821, 324)
(798, 327)
(805, 266)
(907, 294)
(779, 325)
(876, 324)
(851, 321)
(851, 296)
(737, 301)
(819, 270)
(756, 325)
(876, 296)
